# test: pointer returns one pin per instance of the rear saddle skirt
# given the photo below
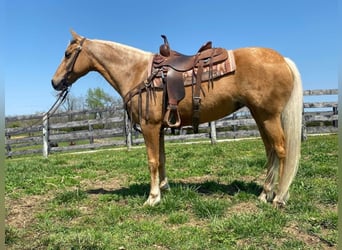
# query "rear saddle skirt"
(173, 71)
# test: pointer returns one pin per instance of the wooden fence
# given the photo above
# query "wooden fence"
(92, 129)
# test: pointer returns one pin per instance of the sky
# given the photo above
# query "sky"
(37, 33)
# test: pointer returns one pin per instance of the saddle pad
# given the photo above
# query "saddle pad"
(218, 70)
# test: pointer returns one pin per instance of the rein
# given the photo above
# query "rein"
(61, 98)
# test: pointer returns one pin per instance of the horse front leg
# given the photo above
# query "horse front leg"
(164, 184)
(156, 161)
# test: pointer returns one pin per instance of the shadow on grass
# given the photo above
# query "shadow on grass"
(205, 188)
(132, 190)
(212, 187)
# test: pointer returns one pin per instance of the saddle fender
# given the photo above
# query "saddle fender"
(176, 93)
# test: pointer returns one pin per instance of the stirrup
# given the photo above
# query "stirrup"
(172, 118)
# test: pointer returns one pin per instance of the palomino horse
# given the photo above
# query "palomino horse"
(264, 81)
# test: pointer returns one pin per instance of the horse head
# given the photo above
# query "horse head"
(74, 64)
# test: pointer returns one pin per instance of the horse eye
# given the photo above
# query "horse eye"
(67, 54)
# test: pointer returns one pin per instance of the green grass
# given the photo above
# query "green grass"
(95, 200)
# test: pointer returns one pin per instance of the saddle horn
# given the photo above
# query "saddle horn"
(164, 49)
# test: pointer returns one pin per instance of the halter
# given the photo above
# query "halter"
(70, 67)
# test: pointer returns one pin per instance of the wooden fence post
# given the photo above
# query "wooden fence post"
(234, 126)
(128, 131)
(335, 112)
(46, 130)
(304, 131)
(8, 147)
(91, 137)
(213, 132)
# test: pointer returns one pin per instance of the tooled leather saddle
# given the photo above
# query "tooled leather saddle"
(175, 67)
(173, 71)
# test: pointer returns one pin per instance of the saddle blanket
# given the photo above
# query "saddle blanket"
(218, 70)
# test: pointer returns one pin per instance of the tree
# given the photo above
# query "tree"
(73, 103)
(97, 98)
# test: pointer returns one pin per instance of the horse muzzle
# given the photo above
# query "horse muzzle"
(60, 85)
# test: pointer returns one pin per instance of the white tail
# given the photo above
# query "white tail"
(292, 125)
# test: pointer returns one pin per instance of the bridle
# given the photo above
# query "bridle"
(70, 66)
(65, 90)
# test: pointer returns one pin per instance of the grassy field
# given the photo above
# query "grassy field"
(94, 200)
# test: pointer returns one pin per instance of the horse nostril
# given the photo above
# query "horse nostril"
(54, 85)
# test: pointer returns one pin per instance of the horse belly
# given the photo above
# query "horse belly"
(217, 101)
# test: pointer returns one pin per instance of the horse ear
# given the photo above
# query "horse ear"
(75, 35)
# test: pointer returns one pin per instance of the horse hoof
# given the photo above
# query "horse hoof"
(267, 196)
(278, 203)
(164, 185)
(152, 200)
(262, 197)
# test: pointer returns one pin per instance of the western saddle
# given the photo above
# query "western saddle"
(173, 71)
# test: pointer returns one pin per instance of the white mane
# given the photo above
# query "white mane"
(116, 45)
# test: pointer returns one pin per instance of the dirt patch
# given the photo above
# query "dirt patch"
(309, 239)
(260, 179)
(108, 185)
(21, 212)
(244, 208)
(196, 179)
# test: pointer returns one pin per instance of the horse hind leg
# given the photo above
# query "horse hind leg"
(282, 139)
(286, 172)
(274, 139)
(268, 194)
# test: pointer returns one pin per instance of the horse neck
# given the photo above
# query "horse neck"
(122, 66)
